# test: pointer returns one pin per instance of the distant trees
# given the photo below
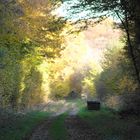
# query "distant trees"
(77, 68)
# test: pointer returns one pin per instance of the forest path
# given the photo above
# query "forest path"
(64, 124)
(76, 129)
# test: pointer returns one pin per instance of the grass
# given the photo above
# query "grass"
(18, 126)
(109, 126)
(58, 130)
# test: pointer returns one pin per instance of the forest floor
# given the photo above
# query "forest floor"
(69, 120)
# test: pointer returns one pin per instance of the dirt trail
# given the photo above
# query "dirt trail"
(77, 130)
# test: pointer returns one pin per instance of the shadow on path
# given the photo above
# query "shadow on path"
(78, 129)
